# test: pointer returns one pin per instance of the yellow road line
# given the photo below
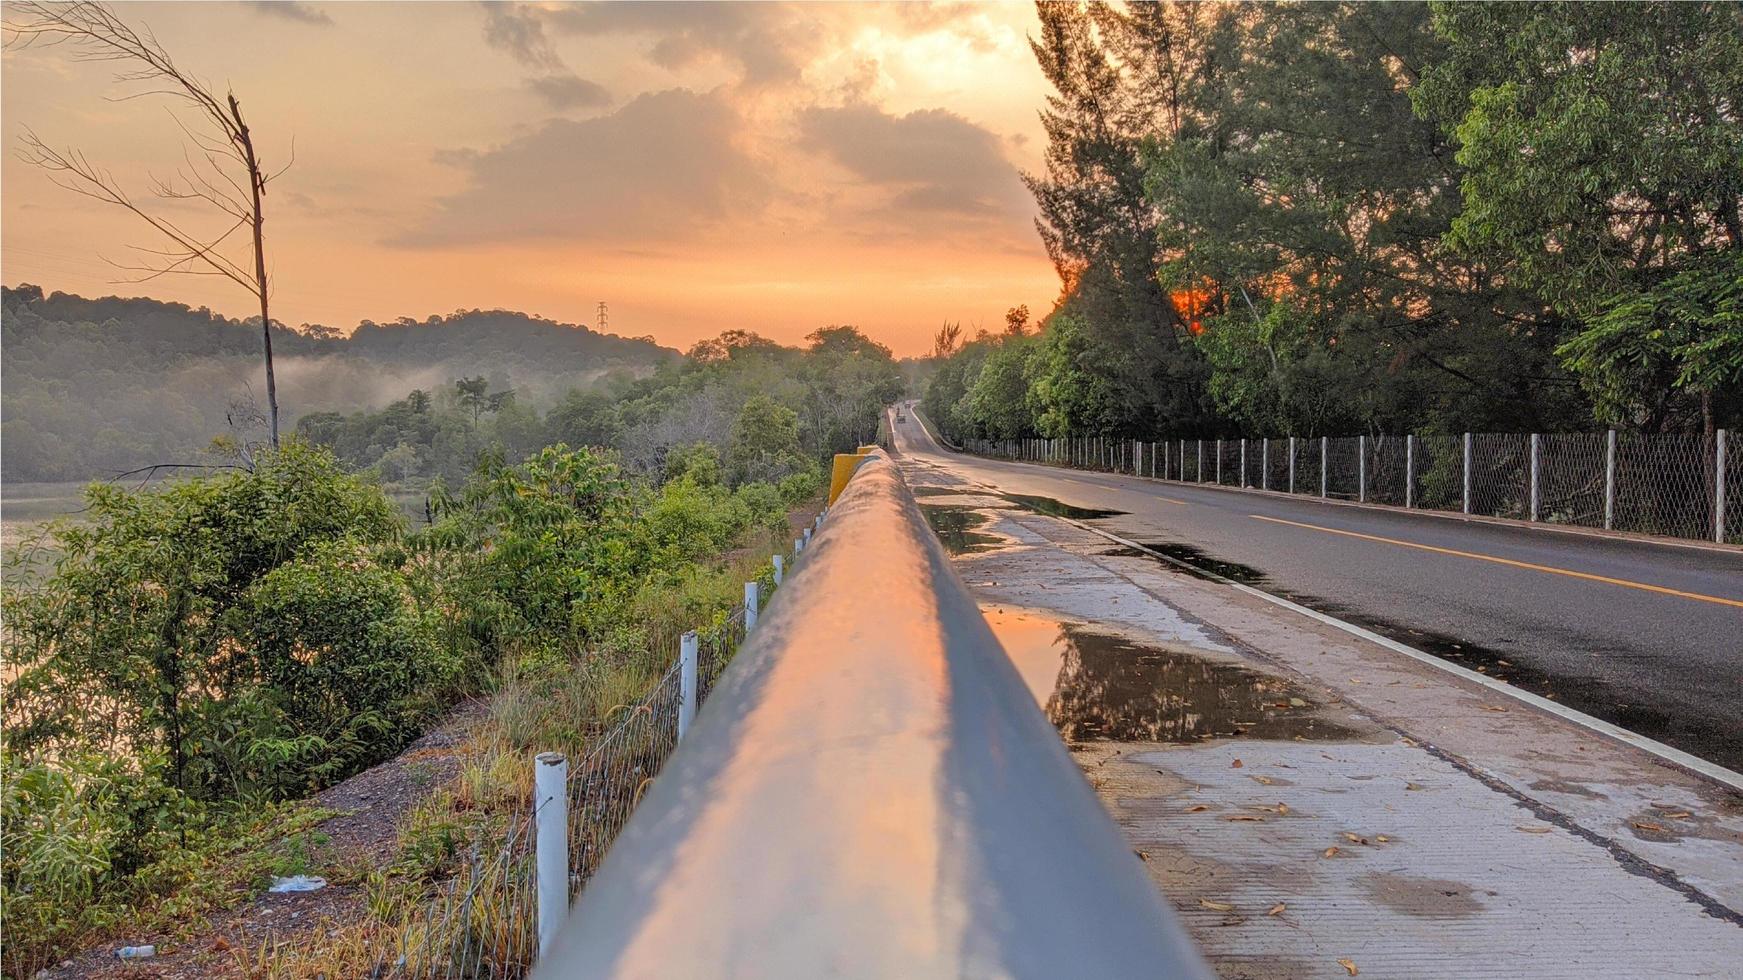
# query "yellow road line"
(1625, 583)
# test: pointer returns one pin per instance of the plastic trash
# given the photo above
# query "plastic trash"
(298, 883)
(136, 952)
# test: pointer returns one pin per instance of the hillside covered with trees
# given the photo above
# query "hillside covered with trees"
(93, 387)
(1302, 219)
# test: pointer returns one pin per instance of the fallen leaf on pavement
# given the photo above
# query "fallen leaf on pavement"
(1297, 703)
(1247, 818)
(1412, 785)
(1533, 830)
(1277, 909)
(1197, 809)
(1349, 965)
(1643, 825)
(1354, 838)
(1329, 852)
(1141, 855)
(1263, 780)
(1382, 838)
(1679, 815)
(1493, 707)
(1216, 906)
(1235, 765)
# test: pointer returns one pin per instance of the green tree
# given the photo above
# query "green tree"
(1603, 162)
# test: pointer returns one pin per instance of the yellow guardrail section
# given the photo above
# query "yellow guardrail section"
(845, 464)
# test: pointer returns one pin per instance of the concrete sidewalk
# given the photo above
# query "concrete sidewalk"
(1316, 805)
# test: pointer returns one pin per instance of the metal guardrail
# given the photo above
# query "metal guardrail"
(870, 791)
(1673, 485)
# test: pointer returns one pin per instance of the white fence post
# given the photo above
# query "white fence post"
(1291, 464)
(1409, 470)
(1467, 472)
(689, 651)
(798, 546)
(1324, 443)
(1534, 457)
(1362, 468)
(780, 567)
(1610, 480)
(551, 842)
(1719, 492)
(751, 603)
(1243, 480)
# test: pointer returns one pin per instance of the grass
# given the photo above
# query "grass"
(410, 909)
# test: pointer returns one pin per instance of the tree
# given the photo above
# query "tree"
(1603, 162)
(946, 340)
(474, 396)
(1017, 321)
(227, 176)
(1095, 220)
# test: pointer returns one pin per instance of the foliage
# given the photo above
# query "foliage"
(1603, 165)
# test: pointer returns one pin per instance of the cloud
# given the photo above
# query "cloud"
(769, 42)
(569, 91)
(929, 160)
(517, 30)
(663, 167)
(302, 13)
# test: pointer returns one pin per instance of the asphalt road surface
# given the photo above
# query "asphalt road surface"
(1646, 635)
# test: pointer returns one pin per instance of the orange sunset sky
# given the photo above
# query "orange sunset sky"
(773, 167)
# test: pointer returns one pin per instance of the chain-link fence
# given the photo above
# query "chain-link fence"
(484, 922)
(1674, 485)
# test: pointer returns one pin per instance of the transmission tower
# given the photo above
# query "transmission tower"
(604, 317)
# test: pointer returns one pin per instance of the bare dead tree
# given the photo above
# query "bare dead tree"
(221, 167)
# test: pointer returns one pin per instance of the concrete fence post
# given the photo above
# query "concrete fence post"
(551, 842)
(1324, 446)
(1265, 464)
(1409, 470)
(689, 654)
(1534, 467)
(1610, 480)
(1719, 490)
(1219, 462)
(1467, 455)
(1362, 469)
(1291, 464)
(752, 604)
(780, 568)
(1201, 460)
(1243, 480)
(798, 546)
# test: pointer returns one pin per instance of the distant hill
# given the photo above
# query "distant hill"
(92, 387)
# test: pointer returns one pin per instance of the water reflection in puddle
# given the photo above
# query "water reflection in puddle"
(1055, 508)
(955, 527)
(1100, 686)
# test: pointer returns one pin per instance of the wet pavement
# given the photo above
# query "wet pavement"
(1314, 804)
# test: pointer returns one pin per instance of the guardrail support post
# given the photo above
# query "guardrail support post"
(780, 567)
(1324, 444)
(1467, 472)
(1534, 458)
(1362, 469)
(551, 842)
(689, 653)
(798, 546)
(1409, 470)
(1719, 491)
(1610, 480)
(1291, 464)
(751, 604)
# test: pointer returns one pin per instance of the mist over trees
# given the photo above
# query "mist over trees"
(1338, 218)
(94, 387)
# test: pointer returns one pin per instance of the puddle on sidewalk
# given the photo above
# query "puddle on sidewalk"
(955, 527)
(1098, 686)
(1197, 558)
(1054, 508)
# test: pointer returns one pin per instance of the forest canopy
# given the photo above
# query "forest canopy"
(1302, 219)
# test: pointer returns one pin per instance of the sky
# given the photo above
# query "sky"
(770, 167)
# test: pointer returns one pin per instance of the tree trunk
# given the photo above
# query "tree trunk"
(257, 184)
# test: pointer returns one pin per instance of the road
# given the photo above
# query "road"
(1645, 635)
